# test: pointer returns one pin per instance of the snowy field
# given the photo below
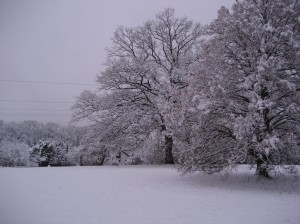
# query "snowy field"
(144, 195)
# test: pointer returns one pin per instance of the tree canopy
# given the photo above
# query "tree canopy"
(211, 96)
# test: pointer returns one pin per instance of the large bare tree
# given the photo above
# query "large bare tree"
(149, 64)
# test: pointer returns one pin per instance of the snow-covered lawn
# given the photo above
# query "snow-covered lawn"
(142, 195)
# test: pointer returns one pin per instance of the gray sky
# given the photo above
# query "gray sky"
(64, 41)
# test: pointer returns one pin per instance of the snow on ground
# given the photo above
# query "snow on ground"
(142, 195)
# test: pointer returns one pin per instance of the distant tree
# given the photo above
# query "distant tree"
(2, 130)
(14, 154)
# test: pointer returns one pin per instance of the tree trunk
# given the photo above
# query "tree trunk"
(102, 160)
(169, 150)
(80, 161)
(262, 167)
(102, 156)
(168, 144)
(262, 163)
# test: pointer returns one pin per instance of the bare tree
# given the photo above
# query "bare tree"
(147, 64)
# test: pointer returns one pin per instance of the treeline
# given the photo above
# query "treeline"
(31, 143)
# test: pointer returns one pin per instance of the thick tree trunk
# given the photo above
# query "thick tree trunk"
(262, 163)
(168, 144)
(102, 160)
(262, 168)
(102, 156)
(169, 150)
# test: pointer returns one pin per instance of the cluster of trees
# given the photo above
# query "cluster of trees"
(31, 143)
(206, 97)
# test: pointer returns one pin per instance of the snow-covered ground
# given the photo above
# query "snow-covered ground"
(142, 195)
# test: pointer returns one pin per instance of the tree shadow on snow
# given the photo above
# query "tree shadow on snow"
(245, 179)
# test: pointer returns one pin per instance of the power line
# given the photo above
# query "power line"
(51, 83)
(35, 101)
(56, 122)
(33, 109)
(21, 113)
(34, 115)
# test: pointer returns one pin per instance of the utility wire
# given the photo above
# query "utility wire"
(51, 83)
(1, 113)
(33, 109)
(35, 101)
(56, 122)
(32, 115)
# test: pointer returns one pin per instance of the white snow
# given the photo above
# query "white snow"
(144, 194)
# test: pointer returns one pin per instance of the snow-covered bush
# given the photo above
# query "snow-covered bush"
(49, 152)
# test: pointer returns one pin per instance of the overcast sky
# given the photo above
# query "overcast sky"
(64, 41)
